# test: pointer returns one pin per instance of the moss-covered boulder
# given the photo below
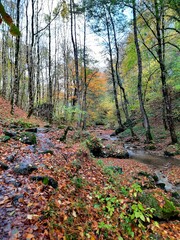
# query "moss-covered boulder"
(46, 180)
(28, 138)
(95, 146)
(4, 138)
(114, 151)
(162, 212)
(172, 150)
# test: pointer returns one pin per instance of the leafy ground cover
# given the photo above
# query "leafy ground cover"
(68, 194)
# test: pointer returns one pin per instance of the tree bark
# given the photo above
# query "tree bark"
(118, 114)
(139, 62)
(15, 93)
(161, 57)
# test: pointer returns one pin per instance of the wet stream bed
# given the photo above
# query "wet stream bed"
(162, 167)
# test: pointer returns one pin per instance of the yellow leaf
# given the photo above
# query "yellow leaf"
(5, 200)
(31, 216)
(29, 236)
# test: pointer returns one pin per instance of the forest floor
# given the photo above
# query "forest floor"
(89, 199)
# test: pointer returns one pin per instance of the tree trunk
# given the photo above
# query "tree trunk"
(143, 111)
(4, 65)
(118, 114)
(75, 49)
(50, 77)
(161, 58)
(15, 93)
(29, 59)
(126, 112)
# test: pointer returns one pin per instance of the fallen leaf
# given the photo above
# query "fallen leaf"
(29, 236)
(74, 214)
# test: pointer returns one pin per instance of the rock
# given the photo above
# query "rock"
(4, 139)
(3, 166)
(28, 138)
(46, 180)
(95, 146)
(115, 169)
(10, 133)
(24, 168)
(150, 146)
(119, 130)
(165, 212)
(172, 150)
(46, 151)
(114, 151)
(15, 199)
(161, 185)
(11, 157)
(34, 130)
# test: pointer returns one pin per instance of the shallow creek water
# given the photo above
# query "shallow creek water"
(158, 163)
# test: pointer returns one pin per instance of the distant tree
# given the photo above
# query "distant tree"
(139, 61)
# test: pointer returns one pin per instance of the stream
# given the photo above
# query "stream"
(158, 163)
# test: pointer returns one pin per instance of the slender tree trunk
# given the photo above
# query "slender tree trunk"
(118, 114)
(161, 58)
(142, 108)
(75, 49)
(85, 78)
(4, 64)
(50, 78)
(15, 94)
(126, 112)
(38, 87)
(29, 59)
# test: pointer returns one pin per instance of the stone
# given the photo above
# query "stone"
(3, 166)
(46, 180)
(165, 212)
(28, 138)
(11, 157)
(10, 133)
(34, 130)
(4, 139)
(172, 150)
(24, 168)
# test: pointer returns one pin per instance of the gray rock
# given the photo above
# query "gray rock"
(24, 168)
(11, 157)
(9, 133)
(46, 180)
(3, 166)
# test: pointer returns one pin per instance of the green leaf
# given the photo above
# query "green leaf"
(14, 30)
(142, 217)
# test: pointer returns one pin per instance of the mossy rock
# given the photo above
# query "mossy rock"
(4, 139)
(28, 138)
(172, 150)
(115, 169)
(22, 124)
(95, 146)
(115, 151)
(150, 146)
(167, 211)
(46, 180)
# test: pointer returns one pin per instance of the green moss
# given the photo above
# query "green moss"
(28, 138)
(4, 139)
(165, 212)
(94, 145)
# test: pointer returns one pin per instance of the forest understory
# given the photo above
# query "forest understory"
(55, 189)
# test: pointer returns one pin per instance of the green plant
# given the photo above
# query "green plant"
(78, 182)
(108, 203)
